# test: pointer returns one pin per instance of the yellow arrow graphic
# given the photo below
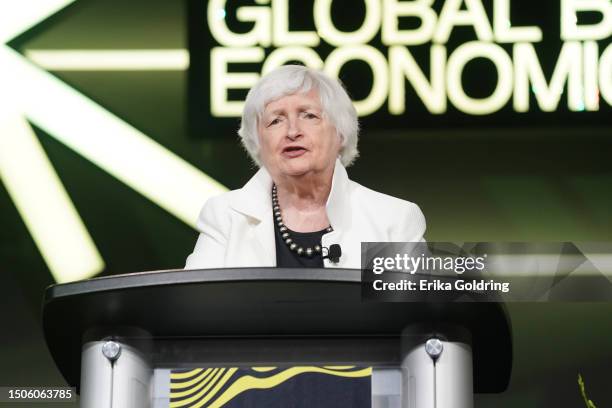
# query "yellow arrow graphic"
(31, 93)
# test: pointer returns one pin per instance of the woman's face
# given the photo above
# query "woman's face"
(295, 139)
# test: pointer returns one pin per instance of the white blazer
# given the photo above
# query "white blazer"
(237, 229)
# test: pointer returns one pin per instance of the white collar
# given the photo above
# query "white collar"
(254, 199)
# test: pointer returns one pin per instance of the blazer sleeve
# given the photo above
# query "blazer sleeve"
(213, 224)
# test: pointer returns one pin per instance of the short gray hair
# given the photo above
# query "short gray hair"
(291, 79)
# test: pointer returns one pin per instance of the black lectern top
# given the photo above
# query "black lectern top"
(264, 304)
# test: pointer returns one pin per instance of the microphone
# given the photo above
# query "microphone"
(334, 252)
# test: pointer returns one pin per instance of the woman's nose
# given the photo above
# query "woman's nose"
(294, 130)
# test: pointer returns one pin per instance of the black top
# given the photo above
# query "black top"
(286, 258)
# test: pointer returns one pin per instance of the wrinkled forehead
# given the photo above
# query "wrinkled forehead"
(296, 100)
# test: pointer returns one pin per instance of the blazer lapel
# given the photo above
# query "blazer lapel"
(254, 201)
(339, 213)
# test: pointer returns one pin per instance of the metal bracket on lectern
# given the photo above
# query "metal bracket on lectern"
(434, 348)
(436, 368)
(116, 371)
(111, 350)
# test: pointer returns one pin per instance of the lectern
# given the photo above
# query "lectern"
(109, 335)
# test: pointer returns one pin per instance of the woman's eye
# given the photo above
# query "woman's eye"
(309, 115)
(274, 122)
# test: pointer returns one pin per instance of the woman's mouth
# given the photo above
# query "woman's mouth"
(294, 151)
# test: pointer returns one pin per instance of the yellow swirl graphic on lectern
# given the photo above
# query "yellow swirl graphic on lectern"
(214, 387)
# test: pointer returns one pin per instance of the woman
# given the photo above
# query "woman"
(301, 129)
